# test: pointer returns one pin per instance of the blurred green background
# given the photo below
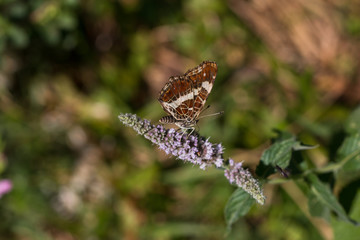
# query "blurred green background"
(68, 68)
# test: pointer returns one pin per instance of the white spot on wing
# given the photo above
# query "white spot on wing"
(179, 101)
(207, 86)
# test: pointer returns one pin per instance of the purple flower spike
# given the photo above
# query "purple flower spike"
(194, 149)
(191, 148)
(243, 178)
(5, 186)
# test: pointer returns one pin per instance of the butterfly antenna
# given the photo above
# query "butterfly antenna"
(213, 114)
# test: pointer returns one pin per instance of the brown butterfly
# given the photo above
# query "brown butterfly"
(183, 97)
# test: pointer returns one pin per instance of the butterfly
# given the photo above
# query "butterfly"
(183, 97)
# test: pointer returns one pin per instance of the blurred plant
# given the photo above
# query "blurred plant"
(283, 157)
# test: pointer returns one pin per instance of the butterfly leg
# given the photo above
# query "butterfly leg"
(193, 129)
(182, 130)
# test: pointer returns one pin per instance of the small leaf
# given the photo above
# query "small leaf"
(348, 156)
(349, 150)
(298, 146)
(325, 196)
(279, 153)
(238, 205)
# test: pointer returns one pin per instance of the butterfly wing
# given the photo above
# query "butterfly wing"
(202, 78)
(176, 97)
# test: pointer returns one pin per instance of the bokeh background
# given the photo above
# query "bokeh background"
(69, 67)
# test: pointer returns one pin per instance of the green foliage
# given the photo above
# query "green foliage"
(321, 199)
(237, 206)
(326, 199)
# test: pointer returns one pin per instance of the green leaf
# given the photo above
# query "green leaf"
(238, 205)
(348, 159)
(279, 153)
(352, 124)
(349, 151)
(298, 146)
(316, 207)
(345, 231)
(324, 195)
